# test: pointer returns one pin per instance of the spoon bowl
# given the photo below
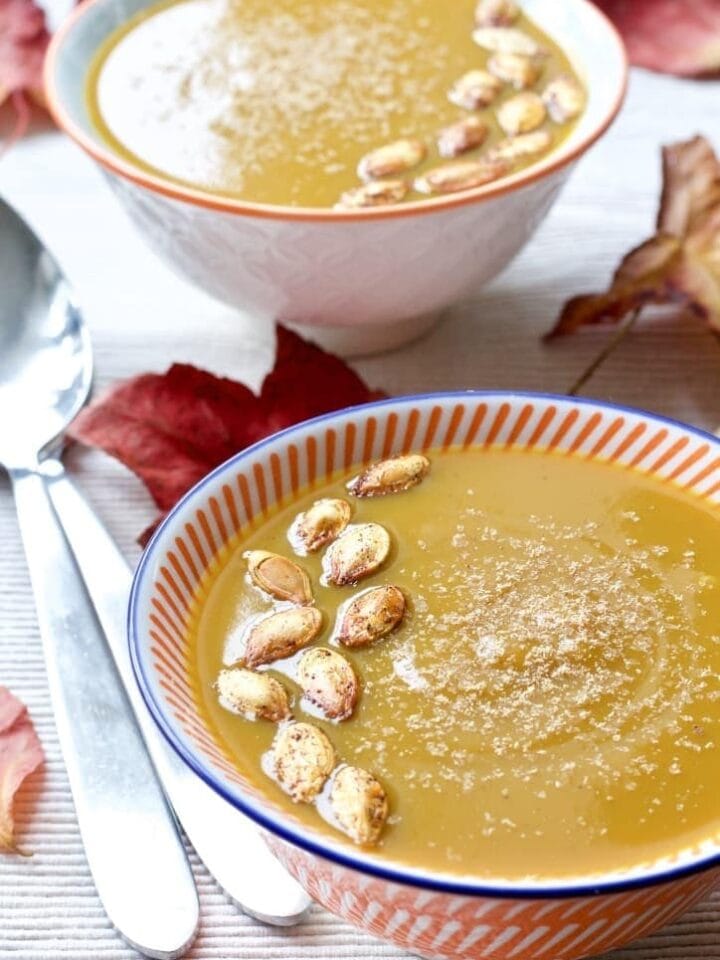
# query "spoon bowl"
(45, 355)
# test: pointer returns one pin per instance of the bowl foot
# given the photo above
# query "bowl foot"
(368, 339)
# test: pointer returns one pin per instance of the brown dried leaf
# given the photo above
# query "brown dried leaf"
(680, 264)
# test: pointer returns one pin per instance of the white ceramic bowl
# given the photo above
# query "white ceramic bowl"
(380, 275)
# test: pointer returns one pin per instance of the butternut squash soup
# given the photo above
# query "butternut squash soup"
(315, 103)
(481, 661)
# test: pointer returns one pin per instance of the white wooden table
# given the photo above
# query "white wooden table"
(143, 318)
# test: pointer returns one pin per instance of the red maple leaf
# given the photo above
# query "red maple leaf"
(23, 41)
(20, 754)
(171, 429)
(669, 36)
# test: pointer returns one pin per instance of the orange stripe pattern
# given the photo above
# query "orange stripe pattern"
(195, 542)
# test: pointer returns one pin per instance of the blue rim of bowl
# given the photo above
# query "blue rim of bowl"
(295, 837)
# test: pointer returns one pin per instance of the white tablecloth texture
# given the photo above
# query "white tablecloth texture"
(143, 318)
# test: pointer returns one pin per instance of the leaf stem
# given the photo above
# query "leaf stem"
(621, 332)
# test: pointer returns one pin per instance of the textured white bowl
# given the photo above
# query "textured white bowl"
(376, 277)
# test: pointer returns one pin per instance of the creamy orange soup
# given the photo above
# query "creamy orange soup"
(548, 705)
(285, 103)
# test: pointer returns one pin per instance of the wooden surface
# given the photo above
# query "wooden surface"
(143, 318)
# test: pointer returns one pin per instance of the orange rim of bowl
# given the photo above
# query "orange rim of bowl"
(201, 198)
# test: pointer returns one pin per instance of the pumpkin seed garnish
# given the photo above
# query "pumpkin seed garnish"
(521, 72)
(301, 759)
(371, 616)
(359, 804)
(525, 145)
(507, 40)
(474, 90)
(522, 113)
(394, 475)
(462, 136)
(281, 634)
(359, 552)
(255, 696)
(328, 681)
(280, 577)
(461, 175)
(391, 159)
(496, 13)
(377, 193)
(564, 98)
(319, 525)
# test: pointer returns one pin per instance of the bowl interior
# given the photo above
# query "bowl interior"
(581, 30)
(208, 524)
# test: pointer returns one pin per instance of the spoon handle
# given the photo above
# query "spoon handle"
(131, 842)
(227, 842)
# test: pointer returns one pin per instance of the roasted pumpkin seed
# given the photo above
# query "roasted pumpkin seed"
(328, 681)
(319, 525)
(391, 159)
(301, 760)
(394, 475)
(507, 40)
(474, 90)
(371, 616)
(462, 136)
(359, 804)
(521, 113)
(462, 175)
(281, 635)
(496, 13)
(521, 72)
(377, 193)
(358, 553)
(280, 577)
(564, 98)
(255, 696)
(525, 145)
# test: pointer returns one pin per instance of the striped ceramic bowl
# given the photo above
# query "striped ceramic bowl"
(427, 914)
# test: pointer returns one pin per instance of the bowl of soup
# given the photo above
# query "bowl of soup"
(349, 165)
(458, 656)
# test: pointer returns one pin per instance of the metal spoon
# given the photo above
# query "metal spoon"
(45, 375)
(133, 850)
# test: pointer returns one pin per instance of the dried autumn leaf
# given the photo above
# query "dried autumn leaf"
(171, 429)
(23, 40)
(20, 755)
(680, 264)
(670, 36)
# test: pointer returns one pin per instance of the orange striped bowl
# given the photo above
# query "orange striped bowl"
(428, 914)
